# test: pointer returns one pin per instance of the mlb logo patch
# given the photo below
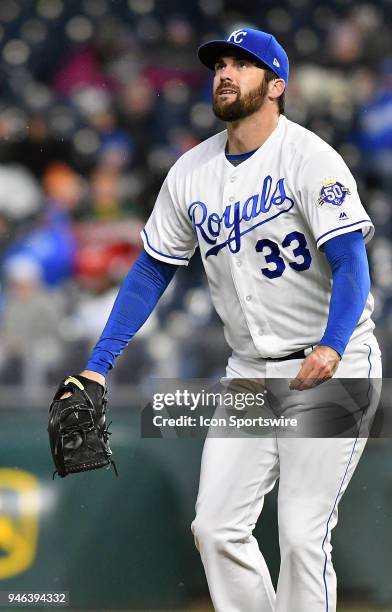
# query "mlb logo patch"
(332, 192)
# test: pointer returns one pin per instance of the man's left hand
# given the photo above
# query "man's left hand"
(318, 367)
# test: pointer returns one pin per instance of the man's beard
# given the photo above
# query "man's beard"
(243, 106)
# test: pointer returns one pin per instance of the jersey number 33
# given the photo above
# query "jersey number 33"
(273, 257)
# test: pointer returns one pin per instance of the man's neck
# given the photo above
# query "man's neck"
(250, 133)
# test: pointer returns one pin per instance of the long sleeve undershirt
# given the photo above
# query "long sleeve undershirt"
(137, 298)
(347, 257)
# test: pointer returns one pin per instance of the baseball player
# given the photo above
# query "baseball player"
(281, 230)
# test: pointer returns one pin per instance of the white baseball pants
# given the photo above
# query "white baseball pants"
(236, 474)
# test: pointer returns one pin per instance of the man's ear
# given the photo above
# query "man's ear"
(276, 88)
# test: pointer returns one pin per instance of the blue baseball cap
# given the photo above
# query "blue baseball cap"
(258, 44)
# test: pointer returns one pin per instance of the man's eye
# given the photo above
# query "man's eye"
(243, 64)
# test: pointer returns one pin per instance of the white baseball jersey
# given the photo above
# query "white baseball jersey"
(260, 227)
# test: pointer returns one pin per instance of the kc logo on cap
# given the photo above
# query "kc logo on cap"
(237, 36)
(257, 44)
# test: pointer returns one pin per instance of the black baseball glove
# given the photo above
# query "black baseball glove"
(77, 427)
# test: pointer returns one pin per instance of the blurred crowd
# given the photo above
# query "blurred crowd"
(98, 99)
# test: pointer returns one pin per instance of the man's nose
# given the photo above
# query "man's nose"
(226, 74)
(226, 78)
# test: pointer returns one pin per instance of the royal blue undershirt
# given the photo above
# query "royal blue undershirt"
(347, 257)
(149, 277)
(137, 298)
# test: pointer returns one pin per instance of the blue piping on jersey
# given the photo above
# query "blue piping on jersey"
(163, 254)
(340, 488)
(370, 368)
(343, 227)
(370, 365)
(367, 234)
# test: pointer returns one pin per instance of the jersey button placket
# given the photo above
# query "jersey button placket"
(236, 263)
(252, 307)
(254, 313)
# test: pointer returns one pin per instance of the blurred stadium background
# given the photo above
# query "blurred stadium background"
(98, 99)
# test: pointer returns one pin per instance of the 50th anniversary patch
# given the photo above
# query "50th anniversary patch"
(332, 192)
